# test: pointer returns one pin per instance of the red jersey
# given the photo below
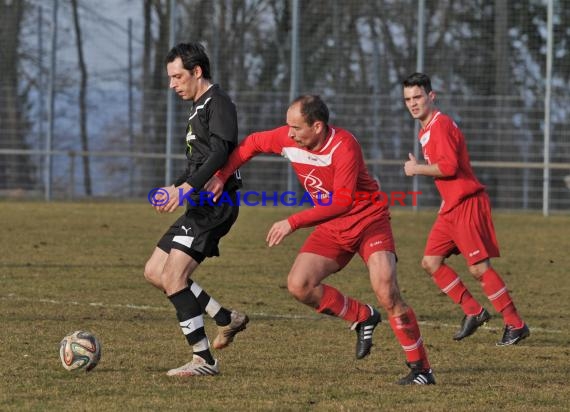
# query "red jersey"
(443, 144)
(337, 168)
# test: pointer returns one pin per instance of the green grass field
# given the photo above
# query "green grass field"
(68, 266)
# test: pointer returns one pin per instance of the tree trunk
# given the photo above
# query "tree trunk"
(15, 170)
(151, 171)
(82, 101)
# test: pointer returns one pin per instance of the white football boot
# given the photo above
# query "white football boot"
(198, 367)
(227, 333)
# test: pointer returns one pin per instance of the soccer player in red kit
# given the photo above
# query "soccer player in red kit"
(464, 224)
(328, 161)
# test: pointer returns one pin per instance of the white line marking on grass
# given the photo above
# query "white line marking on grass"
(12, 296)
(259, 315)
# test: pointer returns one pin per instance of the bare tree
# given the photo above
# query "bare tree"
(154, 86)
(14, 125)
(82, 100)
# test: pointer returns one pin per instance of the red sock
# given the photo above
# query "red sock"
(497, 292)
(449, 283)
(336, 304)
(407, 332)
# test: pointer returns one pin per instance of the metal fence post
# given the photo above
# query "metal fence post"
(51, 93)
(170, 104)
(547, 98)
(419, 68)
(130, 104)
(294, 85)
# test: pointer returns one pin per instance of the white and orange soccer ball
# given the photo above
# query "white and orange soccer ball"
(80, 350)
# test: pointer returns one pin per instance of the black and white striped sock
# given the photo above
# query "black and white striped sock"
(209, 305)
(189, 314)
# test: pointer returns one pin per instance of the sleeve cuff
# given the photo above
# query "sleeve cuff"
(292, 221)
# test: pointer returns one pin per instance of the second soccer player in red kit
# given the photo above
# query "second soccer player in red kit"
(464, 224)
(328, 160)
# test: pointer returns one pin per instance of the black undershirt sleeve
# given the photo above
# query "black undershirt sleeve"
(219, 153)
(182, 178)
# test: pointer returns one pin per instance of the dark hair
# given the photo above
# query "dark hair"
(312, 108)
(192, 55)
(418, 79)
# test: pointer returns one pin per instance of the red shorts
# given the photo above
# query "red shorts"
(467, 229)
(341, 246)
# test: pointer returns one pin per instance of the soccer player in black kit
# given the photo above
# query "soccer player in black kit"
(211, 135)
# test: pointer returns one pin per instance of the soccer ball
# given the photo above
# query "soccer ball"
(79, 350)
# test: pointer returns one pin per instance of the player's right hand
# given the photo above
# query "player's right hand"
(278, 232)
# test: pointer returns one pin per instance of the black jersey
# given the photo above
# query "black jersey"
(211, 135)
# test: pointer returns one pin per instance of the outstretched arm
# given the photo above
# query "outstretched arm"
(271, 141)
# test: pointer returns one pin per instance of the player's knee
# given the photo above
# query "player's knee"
(476, 271)
(430, 265)
(300, 290)
(296, 290)
(152, 275)
(148, 272)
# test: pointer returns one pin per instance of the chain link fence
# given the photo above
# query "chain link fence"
(489, 63)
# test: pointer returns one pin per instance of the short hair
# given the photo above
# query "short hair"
(192, 54)
(418, 79)
(312, 108)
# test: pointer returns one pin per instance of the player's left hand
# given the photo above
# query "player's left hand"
(173, 200)
(278, 232)
(171, 192)
(410, 165)
(215, 185)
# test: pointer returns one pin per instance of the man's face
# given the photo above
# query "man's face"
(418, 102)
(184, 82)
(308, 137)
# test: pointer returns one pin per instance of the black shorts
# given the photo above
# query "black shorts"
(198, 231)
